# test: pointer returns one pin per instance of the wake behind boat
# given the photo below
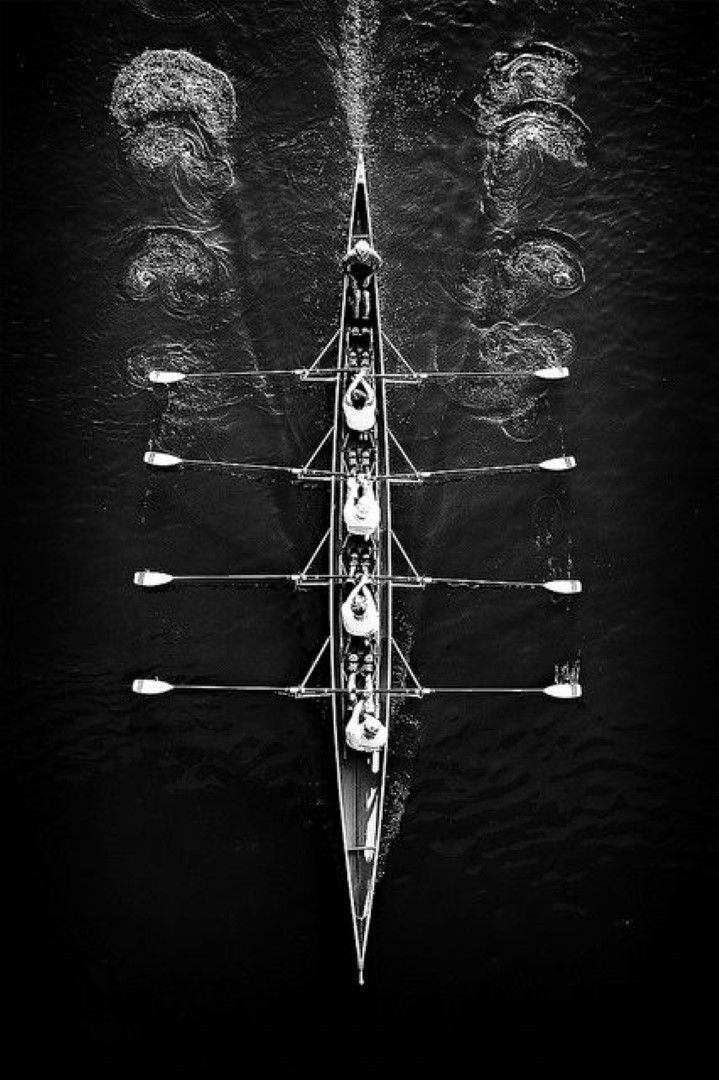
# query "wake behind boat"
(360, 646)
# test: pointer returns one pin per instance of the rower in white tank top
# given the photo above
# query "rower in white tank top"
(360, 616)
(364, 732)
(361, 510)
(360, 404)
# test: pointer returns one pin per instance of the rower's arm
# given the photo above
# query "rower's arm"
(358, 378)
(369, 597)
(361, 584)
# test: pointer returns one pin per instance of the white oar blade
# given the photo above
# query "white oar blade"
(566, 586)
(558, 464)
(160, 460)
(151, 579)
(151, 686)
(565, 691)
(166, 377)
(557, 372)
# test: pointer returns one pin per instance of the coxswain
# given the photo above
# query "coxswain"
(362, 262)
(361, 511)
(360, 404)
(364, 732)
(360, 616)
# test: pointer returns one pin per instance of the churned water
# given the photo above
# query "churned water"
(176, 181)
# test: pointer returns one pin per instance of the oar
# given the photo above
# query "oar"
(157, 686)
(565, 586)
(561, 691)
(557, 464)
(547, 373)
(165, 378)
(154, 579)
(160, 460)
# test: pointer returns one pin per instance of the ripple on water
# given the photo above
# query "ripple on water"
(535, 70)
(183, 271)
(522, 272)
(176, 113)
(509, 347)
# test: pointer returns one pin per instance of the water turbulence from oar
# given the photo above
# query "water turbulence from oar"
(176, 113)
(519, 405)
(522, 273)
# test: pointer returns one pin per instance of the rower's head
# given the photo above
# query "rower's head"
(371, 727)
(359, 605)
(362, 247)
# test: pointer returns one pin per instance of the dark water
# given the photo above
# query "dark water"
(175, 864)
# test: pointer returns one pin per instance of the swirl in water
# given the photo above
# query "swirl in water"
(536, 70)
(508, 347)
(542, 134)
(523, 273)
(162, 81)
(176, 113)
(180, 269)
(169, 151)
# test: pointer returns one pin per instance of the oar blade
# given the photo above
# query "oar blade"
(161, 461)
(551, 373)
(564, 586)
(151, 686)
(566, 691)
(164, 378)
(151, 579)
(558, 464)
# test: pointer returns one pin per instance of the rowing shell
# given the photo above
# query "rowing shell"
(361, 778)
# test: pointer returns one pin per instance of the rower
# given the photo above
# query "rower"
(361, 511)
(360, 404)
(361, 262)
(360, 616)
(364, 732)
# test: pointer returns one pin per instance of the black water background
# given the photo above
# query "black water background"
(175, 867)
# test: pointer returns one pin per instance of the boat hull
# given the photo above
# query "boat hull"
(361, 777)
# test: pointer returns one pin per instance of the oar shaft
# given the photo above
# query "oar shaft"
(234, 577)
(483, 689)
(251, 373)
(482, 583)
(234, 687)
